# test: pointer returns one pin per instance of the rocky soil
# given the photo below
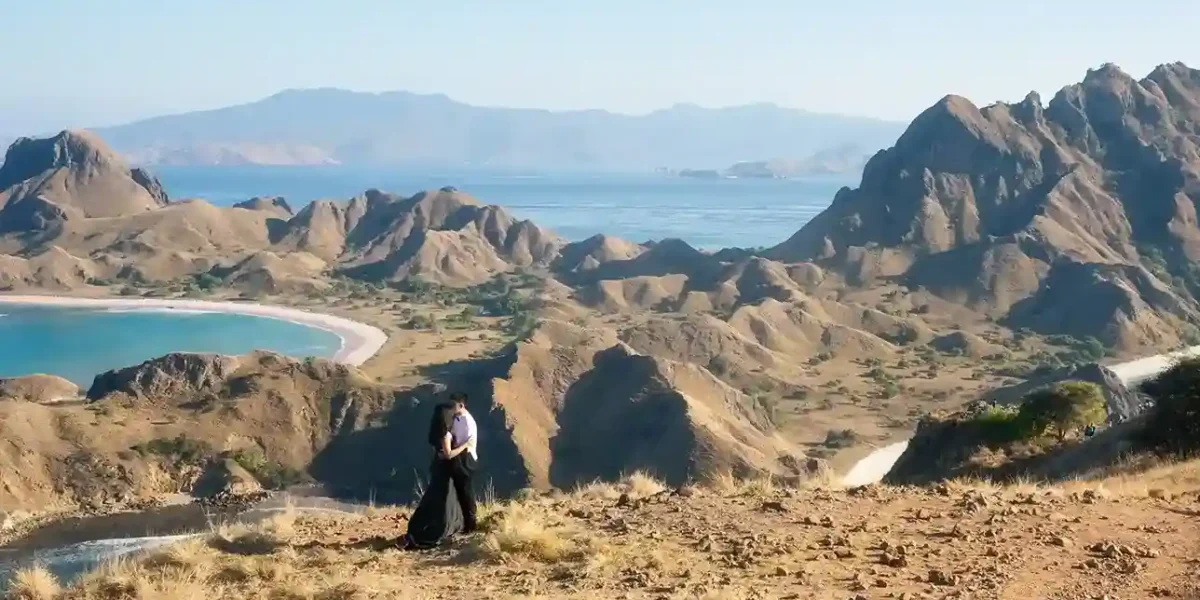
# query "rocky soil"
(731, 540)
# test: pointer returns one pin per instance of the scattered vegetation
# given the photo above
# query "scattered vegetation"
(1059, 410)
(1174, 423)
(180, 449)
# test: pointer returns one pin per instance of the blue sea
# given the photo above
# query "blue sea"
(707, 213)
(78, 344)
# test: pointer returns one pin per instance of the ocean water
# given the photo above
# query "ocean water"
(709, 214)
(78, 344)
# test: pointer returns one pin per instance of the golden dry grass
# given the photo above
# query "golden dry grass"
(518, 531)
(1135, 477)
(33, 583)
(260, 538)
(532, 543)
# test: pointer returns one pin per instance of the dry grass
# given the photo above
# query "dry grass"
(519, 531)
(1134, 477)
(640, 485)
(637, 485)
(260, 538)
(33, 583)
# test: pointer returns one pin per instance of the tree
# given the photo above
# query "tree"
(1063, 408)
(1174, 423)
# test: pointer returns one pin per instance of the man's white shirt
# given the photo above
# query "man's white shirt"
(472, 433)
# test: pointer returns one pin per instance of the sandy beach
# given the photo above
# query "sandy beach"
(359, 341)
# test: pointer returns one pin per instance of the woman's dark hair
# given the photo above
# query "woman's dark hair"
(439, 424)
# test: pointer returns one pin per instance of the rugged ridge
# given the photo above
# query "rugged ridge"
(1010, 207)
(71, 211)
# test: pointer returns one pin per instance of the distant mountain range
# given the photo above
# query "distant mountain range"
(332, 126)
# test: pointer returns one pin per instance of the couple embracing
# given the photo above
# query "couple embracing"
(448, 504)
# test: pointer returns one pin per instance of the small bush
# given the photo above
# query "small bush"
(840, 438)
(206, 281)
(420, 322)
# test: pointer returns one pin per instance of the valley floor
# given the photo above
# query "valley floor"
(735, 540)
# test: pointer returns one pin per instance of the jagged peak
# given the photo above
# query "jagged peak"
(1174, 68)
(266, 203)
(28, 157)
(1106, 71)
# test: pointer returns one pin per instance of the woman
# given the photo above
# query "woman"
(438, 516)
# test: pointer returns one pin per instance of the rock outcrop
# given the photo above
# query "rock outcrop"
(168, 376)
(72, 175)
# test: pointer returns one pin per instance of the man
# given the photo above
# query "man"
(464, 458)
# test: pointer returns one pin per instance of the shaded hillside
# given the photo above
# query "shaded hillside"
(159, 426)
(1020, 210)
(320, 126)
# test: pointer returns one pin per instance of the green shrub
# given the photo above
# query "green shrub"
(1174, 422)
(1002, 424)
(180, 449)
(206, 282)
(271, 475)
(1063, 408)
(840, 438)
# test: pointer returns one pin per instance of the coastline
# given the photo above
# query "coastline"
(359, 341)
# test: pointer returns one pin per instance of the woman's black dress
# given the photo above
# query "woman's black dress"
(438, 516)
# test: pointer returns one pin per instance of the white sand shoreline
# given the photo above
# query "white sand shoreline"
(359, 341)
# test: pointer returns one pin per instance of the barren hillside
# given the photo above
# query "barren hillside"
(1018, 210)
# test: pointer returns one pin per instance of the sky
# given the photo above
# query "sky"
(80, 63)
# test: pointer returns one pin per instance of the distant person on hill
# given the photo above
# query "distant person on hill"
(439, 515)
(464, 458)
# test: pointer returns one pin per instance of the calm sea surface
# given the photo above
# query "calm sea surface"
(78, 344)
(708, 214)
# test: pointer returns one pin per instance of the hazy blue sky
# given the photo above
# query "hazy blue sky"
(85, 62)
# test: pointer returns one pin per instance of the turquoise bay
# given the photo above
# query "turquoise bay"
(78, 344)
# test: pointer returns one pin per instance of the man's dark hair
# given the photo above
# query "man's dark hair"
(458, 398)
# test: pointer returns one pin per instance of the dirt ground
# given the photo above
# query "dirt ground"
(724, 540)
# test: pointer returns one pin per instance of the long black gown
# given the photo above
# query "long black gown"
(438, 516)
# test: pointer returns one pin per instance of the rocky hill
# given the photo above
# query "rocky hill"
(72, 212)
(1020, 211)
(71, 176)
